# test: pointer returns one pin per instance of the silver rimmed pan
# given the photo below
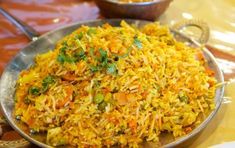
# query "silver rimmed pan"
(24, 59)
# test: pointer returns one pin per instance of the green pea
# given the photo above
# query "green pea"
(98, 98)
(34, 90)
(102, 106)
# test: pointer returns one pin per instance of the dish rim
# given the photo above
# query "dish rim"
(171, 144)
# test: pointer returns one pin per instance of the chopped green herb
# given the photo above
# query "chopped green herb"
(63, 49)
(79, 36)
(91, 31)
(98, 98)
(103, 53)
(80, 55)
(34, 90)
(104, 62)
(103, 57)
(63, 58)
(48, 80)
(137, 43)
(70, 59)
(94, 68)
(111, 69)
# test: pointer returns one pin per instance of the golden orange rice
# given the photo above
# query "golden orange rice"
(106, 86)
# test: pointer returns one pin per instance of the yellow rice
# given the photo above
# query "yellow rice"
(106, 86)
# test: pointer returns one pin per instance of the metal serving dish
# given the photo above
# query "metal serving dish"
(139, 10)
(25, 58)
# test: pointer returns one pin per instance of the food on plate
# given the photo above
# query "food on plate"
(106, 86)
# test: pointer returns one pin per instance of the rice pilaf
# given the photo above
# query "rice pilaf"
(105, 86)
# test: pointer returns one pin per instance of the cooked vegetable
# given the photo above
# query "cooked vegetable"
(62, 58)
(80, 55)
(137, 43)
(46, 82)
(102, 106)
(79, 36)
(98, 98)
(34, 90)
(111, 68)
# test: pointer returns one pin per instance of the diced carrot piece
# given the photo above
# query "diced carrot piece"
(69, 77)
(132, 124)
(121, 98)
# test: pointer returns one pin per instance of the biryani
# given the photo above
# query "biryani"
(115, 86)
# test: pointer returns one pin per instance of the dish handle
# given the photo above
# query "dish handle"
(31, 33)
(183, 25)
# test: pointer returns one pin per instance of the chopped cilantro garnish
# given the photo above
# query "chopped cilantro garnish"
(70, 59)
(94, 68)
(80, 55)
(63, 49)
(103, 57)
(103, 53)
(91, 31)
(137, 43)
(79, 36)
(104, 63)
(111, 69)
(63, 58)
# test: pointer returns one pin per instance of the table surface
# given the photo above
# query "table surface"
(46, 15)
